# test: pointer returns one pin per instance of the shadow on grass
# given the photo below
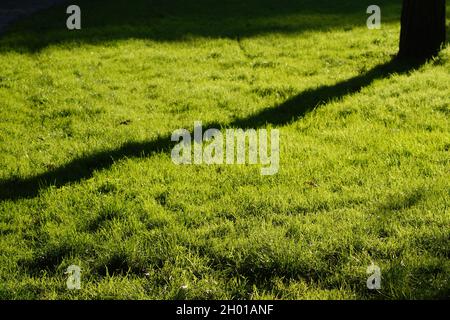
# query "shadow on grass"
(279, 115)
(173, 20)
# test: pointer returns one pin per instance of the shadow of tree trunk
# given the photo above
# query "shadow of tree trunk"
(291, 110)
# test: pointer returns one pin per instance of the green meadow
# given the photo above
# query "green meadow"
(87, 179)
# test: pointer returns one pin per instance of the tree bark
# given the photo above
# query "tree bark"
(422, 28)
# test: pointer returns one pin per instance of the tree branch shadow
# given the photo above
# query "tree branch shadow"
(176, 20)
(291, 110)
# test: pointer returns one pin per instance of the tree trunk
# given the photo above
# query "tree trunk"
(423, 28)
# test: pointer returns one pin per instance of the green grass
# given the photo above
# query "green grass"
(86, 176)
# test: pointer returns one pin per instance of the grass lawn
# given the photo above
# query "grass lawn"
(86, 176)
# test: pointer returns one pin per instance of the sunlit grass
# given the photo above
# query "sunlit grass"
(363, 178)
